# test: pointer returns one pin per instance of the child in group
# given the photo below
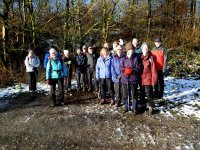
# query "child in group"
(149, 75)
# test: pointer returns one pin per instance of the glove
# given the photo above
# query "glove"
(48, 82)
(69, 62)
(128, 71)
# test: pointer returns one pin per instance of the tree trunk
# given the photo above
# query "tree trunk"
(104, 23)
(66, 25)
(149, 18)
(79, 22)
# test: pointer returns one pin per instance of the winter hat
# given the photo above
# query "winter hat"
(129, 46)
(158, 39)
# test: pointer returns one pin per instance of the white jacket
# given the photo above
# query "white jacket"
(31, 62)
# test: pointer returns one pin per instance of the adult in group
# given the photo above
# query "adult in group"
(131, 68)
(116, 75)
(159, 54)
(81, 69)
(149, 76)
(69, 62)
(32, 63)
(56, 74)
(91, 63)
(103, 74)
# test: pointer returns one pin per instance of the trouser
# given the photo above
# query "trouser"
(159, 87)
(80, 76)
(32, 80)
(69, 79)
(130, 94)
(148, 90)
(60, 94)
(90, 75)
(106, 87)
(118, 92)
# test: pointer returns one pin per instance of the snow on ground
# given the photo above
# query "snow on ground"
(182, 96)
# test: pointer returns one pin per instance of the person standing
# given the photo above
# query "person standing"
(131, 68)
(149, 76)
(81, 68)
(116, 75)
(56, 74)
(91, 63)
(159, 53)
(103, 74)
(32, 63)
(69, 61)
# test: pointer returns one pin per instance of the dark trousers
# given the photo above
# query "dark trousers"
(60, 94)
(80, 76)
(159, 87)
(118, 92)
(32, 80)
(106, 87)
(90, 75)
(147, 90)
(132, 94)
(69, 79)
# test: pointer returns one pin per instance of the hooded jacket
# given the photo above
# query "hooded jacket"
(149, 72)
(115, 68)
(31, 62)
(103, 67)
(134, 64)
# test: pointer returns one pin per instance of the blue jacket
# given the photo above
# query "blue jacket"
(103, 67)
(115, 68)
(46, 58)
(56, 68)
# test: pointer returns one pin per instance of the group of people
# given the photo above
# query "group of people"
(117, 73)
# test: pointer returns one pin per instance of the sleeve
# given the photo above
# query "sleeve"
(97, 70)
(38, 62)
(48, 70)
(122, 67)
(113, 72)
(45, 60)
(65, 73)
(154, 75)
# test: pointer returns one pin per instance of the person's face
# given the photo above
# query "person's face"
(104, 52)
(135, 42)
(145, 50)
(106, 45)
(114, 46)
(157, 44)
(31, 53)
(90, 50)
(53, 54)
(84, 50)
(130, 52)
(78, 51)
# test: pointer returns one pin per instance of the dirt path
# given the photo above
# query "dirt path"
(28, 123)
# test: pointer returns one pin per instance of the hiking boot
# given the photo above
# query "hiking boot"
(102, 101)
(112, 102)
(53, 105)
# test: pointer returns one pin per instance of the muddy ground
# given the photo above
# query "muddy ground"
(29, 123)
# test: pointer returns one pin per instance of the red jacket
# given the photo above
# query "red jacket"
(149, 73)
(160, 56)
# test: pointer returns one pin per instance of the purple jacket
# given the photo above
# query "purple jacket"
(115, 68)
(135, 65)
